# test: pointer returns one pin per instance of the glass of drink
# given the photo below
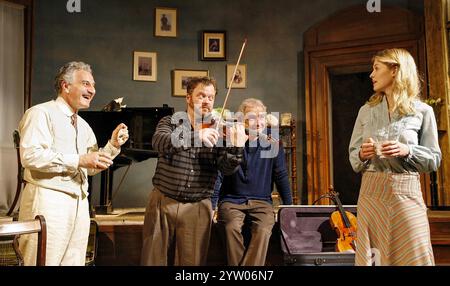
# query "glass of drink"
(380, 136)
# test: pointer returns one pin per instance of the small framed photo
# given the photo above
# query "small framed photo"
(286, 119)
(214, 46)
(181, 78)
(240, 78)
(165, 22)
(145, 66)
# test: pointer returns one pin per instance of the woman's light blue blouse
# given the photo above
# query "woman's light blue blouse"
(418, 131)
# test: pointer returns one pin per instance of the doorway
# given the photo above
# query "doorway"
(348, 92)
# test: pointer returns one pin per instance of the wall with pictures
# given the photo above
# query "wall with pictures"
(105, 34)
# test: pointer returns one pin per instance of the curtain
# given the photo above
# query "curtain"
(11, 95)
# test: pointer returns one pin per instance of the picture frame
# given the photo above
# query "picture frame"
(165, 22)
(180, 77)
(240, 79)
(145, 66)
(214, 46)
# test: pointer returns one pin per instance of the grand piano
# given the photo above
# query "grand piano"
(141, 122)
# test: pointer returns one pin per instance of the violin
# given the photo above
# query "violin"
(344, 223)
(221, 125)
(209, 121)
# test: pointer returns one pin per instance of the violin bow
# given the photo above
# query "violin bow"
(231, 83)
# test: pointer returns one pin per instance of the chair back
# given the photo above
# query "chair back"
(16, 138)
(14, 229)
(91, 252)
(20, 181)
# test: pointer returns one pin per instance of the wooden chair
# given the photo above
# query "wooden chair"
(20, 181)
(10, 231)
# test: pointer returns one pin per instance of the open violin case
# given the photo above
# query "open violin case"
(307, 237)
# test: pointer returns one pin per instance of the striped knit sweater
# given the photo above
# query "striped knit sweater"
(185, 173)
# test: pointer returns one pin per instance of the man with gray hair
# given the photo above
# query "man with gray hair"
(58, 150)
(246, 195)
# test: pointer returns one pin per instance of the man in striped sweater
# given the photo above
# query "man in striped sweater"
(178, 216)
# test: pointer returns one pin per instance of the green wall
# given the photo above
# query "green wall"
(106, 33)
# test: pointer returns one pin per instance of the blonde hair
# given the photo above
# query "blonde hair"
(406, 86)
(251, 103)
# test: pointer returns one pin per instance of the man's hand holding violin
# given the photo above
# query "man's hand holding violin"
(209, 135)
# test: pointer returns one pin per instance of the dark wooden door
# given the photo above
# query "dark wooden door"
(348, 93)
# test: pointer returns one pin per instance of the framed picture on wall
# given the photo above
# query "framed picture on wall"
(144, 66)
(165, 22)
(181, 77)
(213, 46)
(240, 78)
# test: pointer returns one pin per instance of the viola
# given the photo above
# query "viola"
(344, 223)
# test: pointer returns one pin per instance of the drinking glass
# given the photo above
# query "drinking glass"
(383, 134)
(380, 135)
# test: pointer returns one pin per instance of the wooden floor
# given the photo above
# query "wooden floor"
(440, 236)
(120, 239)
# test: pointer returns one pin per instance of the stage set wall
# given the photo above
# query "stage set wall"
(106, 33)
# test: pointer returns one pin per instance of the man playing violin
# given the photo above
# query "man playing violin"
(178, 216)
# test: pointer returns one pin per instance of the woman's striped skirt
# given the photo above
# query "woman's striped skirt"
(392, 217)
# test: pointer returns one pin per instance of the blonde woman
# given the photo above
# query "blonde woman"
(394, 139)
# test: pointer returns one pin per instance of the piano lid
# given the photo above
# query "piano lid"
(141, 122)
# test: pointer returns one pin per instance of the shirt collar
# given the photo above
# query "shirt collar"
(64, 106)
(385, 110)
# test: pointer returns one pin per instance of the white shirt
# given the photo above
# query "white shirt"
(50, 148)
